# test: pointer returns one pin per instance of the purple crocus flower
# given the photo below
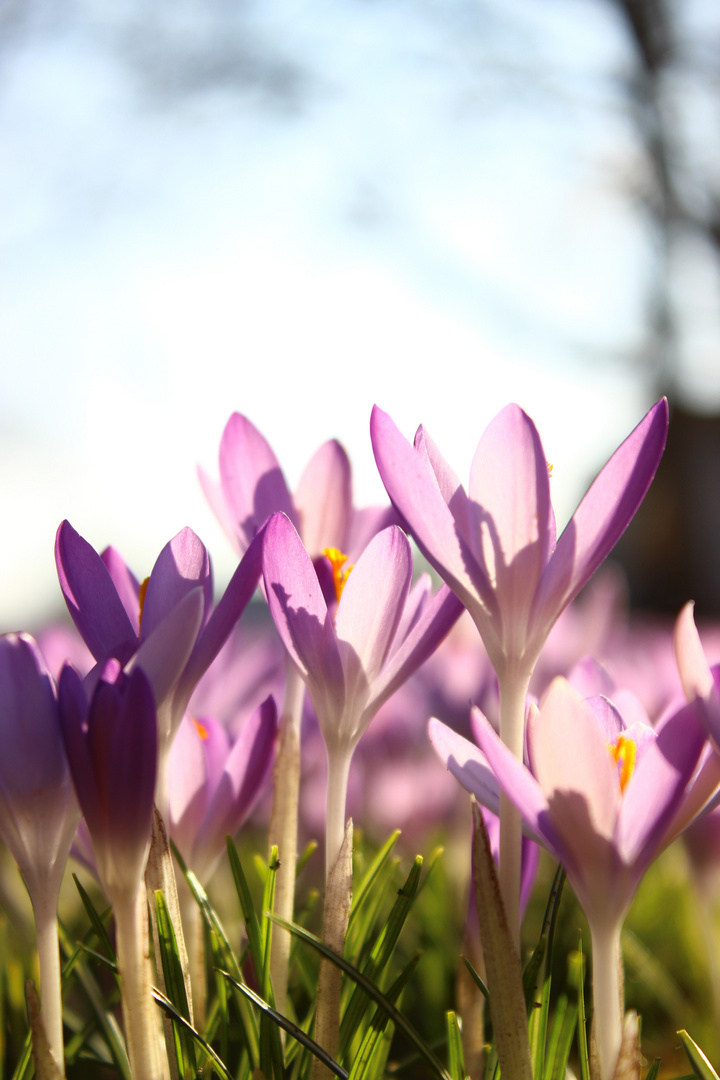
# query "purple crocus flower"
(252, 486)
(603, 797)
(496, 547)
(215, 782)
(164, 626)
(38, 808)
(111, 742)
(354, 658)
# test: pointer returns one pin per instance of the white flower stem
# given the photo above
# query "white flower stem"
(146, 1051)
(284, 825)
(607, 995)
(337, 781)
(44, 900)
(513, 687)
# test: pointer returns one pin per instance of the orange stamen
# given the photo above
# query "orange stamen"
(141, 599)
(340, 571)
(201, 730)
(623, 752)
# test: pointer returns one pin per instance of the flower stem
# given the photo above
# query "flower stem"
(284, 824)
(513, 687)
(607, 995)
(337, 782)
(44, 901)
(140, 1016)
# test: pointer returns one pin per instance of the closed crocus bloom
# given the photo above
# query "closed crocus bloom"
(603, 797)
(167, 625)
(353, 656)
(111, 743)
(496, 547)
(38, 808)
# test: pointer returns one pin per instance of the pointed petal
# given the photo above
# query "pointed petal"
(323, 500)
(436, 621)
(467, 764)
(695, 673)
(165, 652)
(602, 517)
(90, 595)
(510, 507)
(251, 479)
(126, 584)
(182, 566)
(371, 606)
(216, 501)
(423, 499)
(656, 789)
(301, 617)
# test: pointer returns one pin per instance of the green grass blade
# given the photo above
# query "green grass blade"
(584, 1057)
(476, 978)
(364, 889)
(283, 1022)
(175, 986)
(380, 954)
(653, 1070)
(697, 1058)
(252, 926)
(372, 991)
(271, 1054)
(191, 1035)
(363, 1060)
(97, 920)
(456, 1061)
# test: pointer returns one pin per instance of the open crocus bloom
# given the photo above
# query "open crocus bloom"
(496, 546)
(601, 796)
(166, 626)
(353, 656)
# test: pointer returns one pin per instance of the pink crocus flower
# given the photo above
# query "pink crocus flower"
(215, 782)
(167, 626)
(354, 657)
(496, 547)
(602, 796)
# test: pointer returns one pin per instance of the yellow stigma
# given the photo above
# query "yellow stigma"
(201, 730)
(549, 468)
(340, 571)
(623, 752)
(141, 599)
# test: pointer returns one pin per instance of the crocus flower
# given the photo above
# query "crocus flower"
(38, 808)
(165, 626)
(496, 547)
(351, 663)
(215, 782)
(111, 743)
(252, 486)
(601, 796)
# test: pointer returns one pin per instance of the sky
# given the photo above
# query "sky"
(296, 210)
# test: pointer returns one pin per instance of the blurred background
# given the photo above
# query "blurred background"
(296, 210)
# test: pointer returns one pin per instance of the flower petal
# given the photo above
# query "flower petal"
(371, 606)
(323, 500)
(126, 584)
(182, 566)
(301, 617)
(90, 595)
(251, 479)
(602, 517)
(467, 764)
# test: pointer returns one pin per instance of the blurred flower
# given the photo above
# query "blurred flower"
(214, 783)
(38, 808)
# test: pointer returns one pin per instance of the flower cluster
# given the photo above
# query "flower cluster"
(179, 709)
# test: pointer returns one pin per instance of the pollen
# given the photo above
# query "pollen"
(201, 730)
(141, 599)
(623, 752)
(340, 568)
(548, 465)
